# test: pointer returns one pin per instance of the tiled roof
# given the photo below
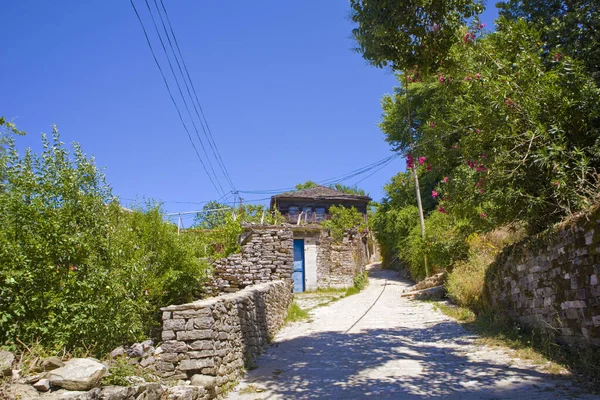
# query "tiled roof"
(321, 192)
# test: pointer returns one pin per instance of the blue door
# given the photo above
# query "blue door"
(298, 274)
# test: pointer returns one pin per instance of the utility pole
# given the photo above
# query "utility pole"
(415, 175)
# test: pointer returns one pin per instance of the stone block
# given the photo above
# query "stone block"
(196, 365)
(173, 346)
(174, 325)
(195, 335)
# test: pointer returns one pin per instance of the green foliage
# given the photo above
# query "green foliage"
(296, 313)
(213, 215)
(571, 27)
(120, 369)
(348, 189)
(306, 185)
(361, 280)
(466, 282)
(409, 34)
(342, 219)
(517, 139)
(76, 269)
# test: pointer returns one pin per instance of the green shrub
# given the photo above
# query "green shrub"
(342, 219)
(76, 269)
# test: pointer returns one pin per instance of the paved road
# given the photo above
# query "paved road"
(378, 345)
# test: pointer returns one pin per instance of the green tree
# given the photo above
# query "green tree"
(412, 34)
(213, 215)
(348, 189)
(571, 27)
(306, 185)
(517, 139)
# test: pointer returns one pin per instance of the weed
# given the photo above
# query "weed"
(296, 313)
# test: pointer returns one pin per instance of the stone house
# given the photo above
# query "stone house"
(320, 261)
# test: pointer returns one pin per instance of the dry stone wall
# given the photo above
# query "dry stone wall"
(338, 262)
(267, 254)
(215, 338)
(551, 282)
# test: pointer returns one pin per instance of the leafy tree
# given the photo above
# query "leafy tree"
(571, 27)
(348, 189)
(214, 215)
(409, 34)
(306, 185)
(343, 219)
(516, 139)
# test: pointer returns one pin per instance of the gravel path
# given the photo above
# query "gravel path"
(377, 344)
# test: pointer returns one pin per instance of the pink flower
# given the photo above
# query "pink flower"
(479, 183)
(478, 75)
(445, 179)
(442, 210)
(434, 194)
(441, 78)
(477, 130)
(429, 167)
(481, 191)
(435, 27)
(72, 268)
(483, 155)
(422, 160)
(483, 215)
(556, 183)
(409, 79)
(471, 164)
(455, 147)
(432, 124)
(409, 161)
(481, 168)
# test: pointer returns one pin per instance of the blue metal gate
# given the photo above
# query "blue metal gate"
(298, 274)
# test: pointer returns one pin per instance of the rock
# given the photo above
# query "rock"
(62, 394)
(118, 352)
(158, 350)
(78, 374)
(206, 381)
(33, 379)
(6, 361)
(149, 391)
(147, 361)
(50, 363)
(185, 393)
(116, 393)
(146, 344)
(43, 385)
(22, 392)
(136, 350)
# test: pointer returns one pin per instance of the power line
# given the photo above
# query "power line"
(185, 103)
(210, 137)
(341, 178)
(171, 94)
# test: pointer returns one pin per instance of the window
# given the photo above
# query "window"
(293, 213)
(320, 214)
(307, 214)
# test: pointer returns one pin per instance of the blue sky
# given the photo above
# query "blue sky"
(285, 97)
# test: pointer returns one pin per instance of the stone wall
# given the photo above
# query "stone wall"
(339, 262)
(267, 254)
(550, 282)
(211, 340)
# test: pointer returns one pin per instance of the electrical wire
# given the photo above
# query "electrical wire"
(210, 137)
(185, 103)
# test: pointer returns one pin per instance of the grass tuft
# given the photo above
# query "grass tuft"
(296, 313)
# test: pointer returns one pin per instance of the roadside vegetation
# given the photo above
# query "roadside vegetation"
(500, 129)
(79, 272)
